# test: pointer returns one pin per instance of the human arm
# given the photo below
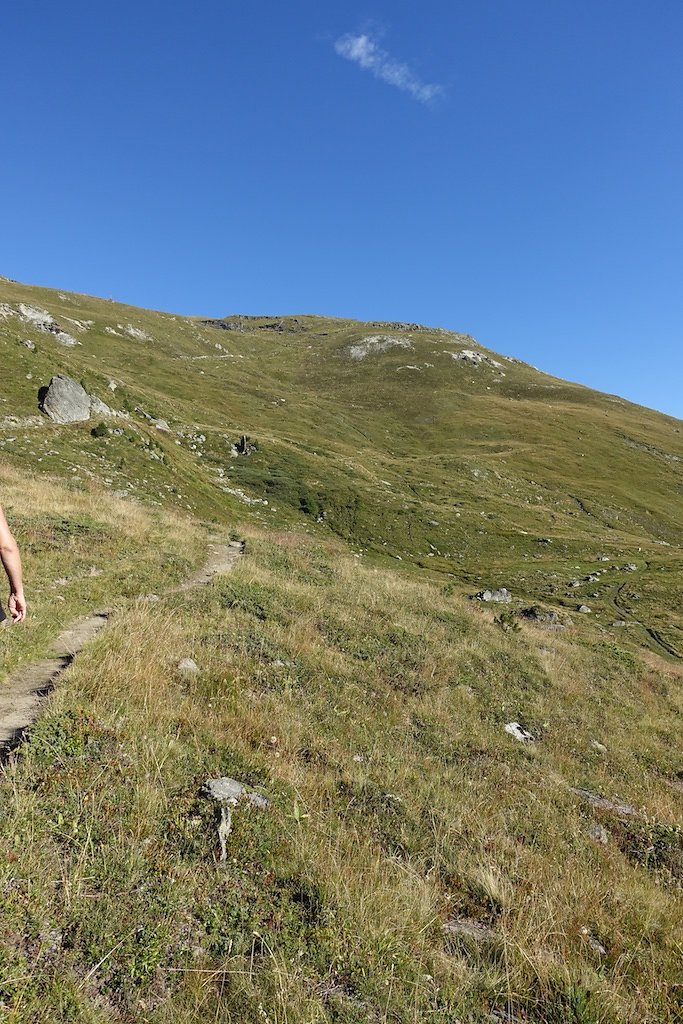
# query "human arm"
(11, 560)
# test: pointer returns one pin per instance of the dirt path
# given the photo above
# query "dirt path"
(22, 696)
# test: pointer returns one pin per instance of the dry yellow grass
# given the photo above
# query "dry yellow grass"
(371, 709)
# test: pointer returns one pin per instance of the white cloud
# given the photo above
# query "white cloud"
(365, 52)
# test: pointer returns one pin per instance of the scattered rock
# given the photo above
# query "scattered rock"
(596, 946)
(584, 609)
(469, 930)
(502, 596)
(99, 408)
(377, 343)
(65, 401)
(228, 792)
(223, 325)
(44, 321)
(67, 340)
(468, 355)
(519, 732)
(245, 446)
(137, 333)
(27, 343)
(598, 833)
(603, 804)
(545, 617)
(629, 567)
(188, 666)
(37, 317)
(162, 425)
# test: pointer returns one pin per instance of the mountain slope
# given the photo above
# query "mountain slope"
(474, 814)
(408, 442)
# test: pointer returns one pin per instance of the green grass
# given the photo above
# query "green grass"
(398, 802)
(343, 675)
(452, 468)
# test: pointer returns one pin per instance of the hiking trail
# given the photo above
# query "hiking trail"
(23, 695)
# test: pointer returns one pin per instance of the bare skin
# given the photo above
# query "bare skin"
(11, 560)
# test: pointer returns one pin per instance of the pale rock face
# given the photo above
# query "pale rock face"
(44, 321)
(137, 333)
(67, 340)
(376, 343)
(40, 318)
(468, 355)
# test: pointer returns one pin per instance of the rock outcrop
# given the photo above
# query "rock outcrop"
(65, 401)
(44, 321)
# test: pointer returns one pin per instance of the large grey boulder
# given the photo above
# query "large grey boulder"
(65, 401)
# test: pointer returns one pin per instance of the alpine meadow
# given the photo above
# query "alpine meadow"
(408, 750)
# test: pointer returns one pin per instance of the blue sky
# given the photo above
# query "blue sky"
(509, 169)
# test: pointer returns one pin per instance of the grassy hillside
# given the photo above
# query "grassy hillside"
(491, 474)
(416, 862)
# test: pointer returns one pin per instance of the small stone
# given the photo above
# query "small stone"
(188, 666)
(598, 833)
(596, 946)
(584, 609)
(469, 929)
(602, 803)
(230, 791)
(27, 343)
(519, 733)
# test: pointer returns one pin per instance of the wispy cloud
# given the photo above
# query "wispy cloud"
(364, 51)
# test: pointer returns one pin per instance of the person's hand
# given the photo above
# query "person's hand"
(17, 607)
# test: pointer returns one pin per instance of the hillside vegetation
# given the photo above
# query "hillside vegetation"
(416, 861)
